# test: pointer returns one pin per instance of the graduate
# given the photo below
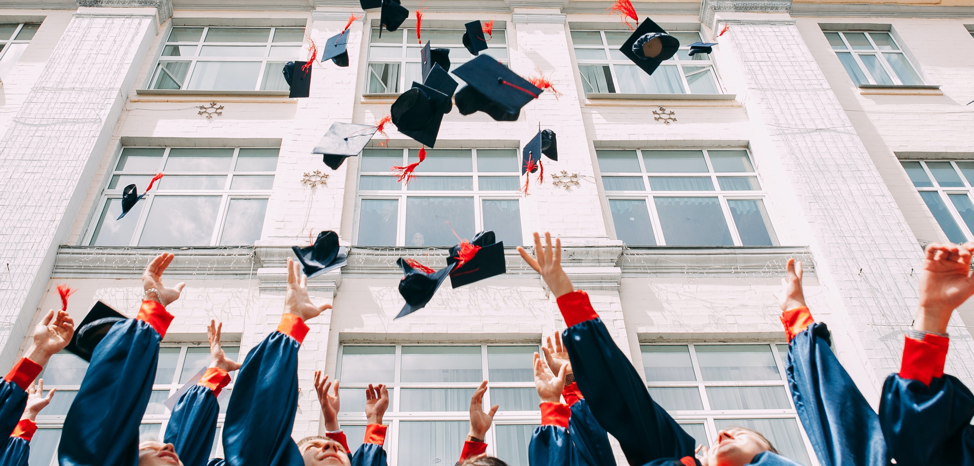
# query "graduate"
(926, 414)
(332, 448)
(474, 451)
(18, 447)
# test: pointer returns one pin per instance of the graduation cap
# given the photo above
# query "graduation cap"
(531, 154)
(419, 112)
(336, 49)
(298, 76)
(649, 45)
(343, 140)
(370, 4)
(432, 57)
(549, 145)
(130, 195)
(474, 39)
(476, 260)
(493, 89)
(419, 284)
(93, 329)
(323, 256)
(701, 47)
(392, 16)
(440, 79)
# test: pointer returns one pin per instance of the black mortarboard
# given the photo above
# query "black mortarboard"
(93, 329)
(474, 39)
(369, 4)
(130, 196)
(531, 154)
(418, 287)
(487, 262)
(323, 256)
(649, 45)
(298, 77)
(343, 140)
(440, 79)
(431, 57)
(549, 145)
(701, 47)
(392, 16)
(493, 89)
(336, 49)
(418, 113)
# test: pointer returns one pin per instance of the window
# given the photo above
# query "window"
(605, 70)
(13, 41)
(946, 188)
(430, 389)
(455, 190)
(873, 58)
(685, 198)
(709, 388)
(227, 59)
(176, 366)
(396, 51)
(208, 197)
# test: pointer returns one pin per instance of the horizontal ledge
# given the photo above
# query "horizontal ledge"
(880, 89)
(180, 92)
(599, 96)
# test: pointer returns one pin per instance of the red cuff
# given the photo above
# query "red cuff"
(576, 308)
(572, 394)
(688, 461)
(24, 373)
(796, 321)
(923, 360)
(472, 450)
(375, 434)
(555, 414)
(340, 438)
(25, 429)
(292, 326)
(155, 314)
(215, 379)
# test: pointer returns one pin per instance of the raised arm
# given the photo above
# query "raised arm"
(480, 422)
(551, 443)
(371, 453)
(17, 451)
(330, 406)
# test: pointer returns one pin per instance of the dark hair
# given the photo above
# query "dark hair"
(483, 461)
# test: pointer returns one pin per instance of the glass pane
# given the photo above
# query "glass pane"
(180, 221)
(353, 401)
(739, 183)
(377, 223)
(852, 68)
(871, 62)
(967, 168)
(150, 432)
(60, 403)
(962, 202)
(667, 363)
(436, 443)
(681, 183)
(237, 35)
(511, 363)
(443, 160)
(596, 79)
(383, 78)
(631, 220)
(244, 222)
(918, 176)
(677, 398)
(252, 183)
(192, 183)
(290, 52)
(112, 232)
(515, 399)
(379, 160)
(289, 35)
(368, 364)
(355, 435)
(435, 399)
(140, 160)
(674, 161)
(512, 443)
(385, 53)
(166, 368)
(233, 51)
(441, 364)
(64, 369)
(698, 432)
(618, 161)
(7, 30)
(497, 160)
(504, 219)
(179, 51)
(782, 433)
(693, 221)
(499, 183)
(386, 36)
(903, 69)
(157, 402)
(225, 75)
(499, 53)
(753, 223)
(835, 41)
(171, 75)
(686, 38)
(586, 38)
(633, 80)
(184, 34)
(623, 183)
(273, 79)
(431, 221)
(42, 446)
(945, 174)
(616, 39)
(858, 40)
(730, 161)
(590, 54)
(943, 216)
(120, 181)
(379, 183)
(733, 398)
(883, 41)
(701, 80)
(441, 183)
(199, 160)
(257, 160)
(736, 362)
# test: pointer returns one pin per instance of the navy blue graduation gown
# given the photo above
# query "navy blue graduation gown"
(192, 426)
(13, 396)
(370, 452)
(17, 450)
(589, 439)
(102, 425)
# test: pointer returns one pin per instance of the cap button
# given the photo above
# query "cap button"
(500, 80)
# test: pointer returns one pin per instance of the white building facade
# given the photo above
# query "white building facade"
(836, 133)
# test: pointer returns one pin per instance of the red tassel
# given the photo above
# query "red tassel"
(154, 179)
(515, 86)
(382, 124)
(419, 25)
(314, 54)
(722, 31)
(540, 172)
(351, 19)
(625, 8)
(64, 291)
(530, 168)
(488, 28)
(422, 268)
(466, 253)
(406, 173)
(543, 83)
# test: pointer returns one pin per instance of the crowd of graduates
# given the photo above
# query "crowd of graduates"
(587, 386)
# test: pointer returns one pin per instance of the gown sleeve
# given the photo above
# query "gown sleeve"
(103, 421)
(841, 426)
(371, 453)
(192, 426)
(590, 440)
(925, 414)
(17, 451)
(260, 415)
(13, 396)
(551, 443)
(614, 391)
(472, 449)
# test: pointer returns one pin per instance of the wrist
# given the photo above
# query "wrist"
(153, 294)
(569, 378)
(551, 399)
(38, 355)
(30, 415)
(375, 420)
(331, 425)
(930, 320)
(476, 435)
(474, 438)
(792, 303)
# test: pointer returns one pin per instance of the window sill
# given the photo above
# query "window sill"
(881, 89)
(599, 96)
(383, 98)
(179, 92)
(651, 100)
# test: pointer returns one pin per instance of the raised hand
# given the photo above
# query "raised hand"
(945, 283)
(36, 402)
(557, 357)
(152, 281)
(791, 295)
(217, 357)
(330, 403)
(548, 384)
(51, 335)
(480, 421)
(297, 301)
(547, 262)
(376, 403)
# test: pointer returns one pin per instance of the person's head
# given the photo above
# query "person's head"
(153, 453)
(321, 451)
(483, 461)
(419, 239)
(737, 446)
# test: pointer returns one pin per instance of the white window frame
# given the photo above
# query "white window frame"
(881, 54)
(945, 192)
(13, 40)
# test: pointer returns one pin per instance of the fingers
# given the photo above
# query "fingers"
(557, 251)
(493, 410)
(219, 332)
(539, 250)
(562, 374)
(559, 347)
(545, 368)
(291, 277)
(478, 395)
(383, 391)
(153, 267)
(179, 287)
(548, 252)
(336, 387)
(48, 318)
(304, 281)
(317, 379)
(40, 386)
(537, 367)
(528, 259)
(798, 270)
(931, 251)
(370, 393)
(50, 395)
(324, 307)
(790, 267)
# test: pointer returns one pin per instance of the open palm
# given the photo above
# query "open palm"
(297, 301)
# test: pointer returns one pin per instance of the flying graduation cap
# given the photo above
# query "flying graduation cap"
(474, 39)
(392, 16)
(336, 49)
(549, 145)
(431, 57)
(649, 45)
(93, 329)
(701, 47)
(418, 113)
(130, 195)
(419, 284)
(323, 256)
(531, 160)
(494, 89)
(298, 77)
(345, 140)
(370, 4)
(476, 260)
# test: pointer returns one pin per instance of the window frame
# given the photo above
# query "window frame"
(13, 40)
(945, 191)
(876, 51)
